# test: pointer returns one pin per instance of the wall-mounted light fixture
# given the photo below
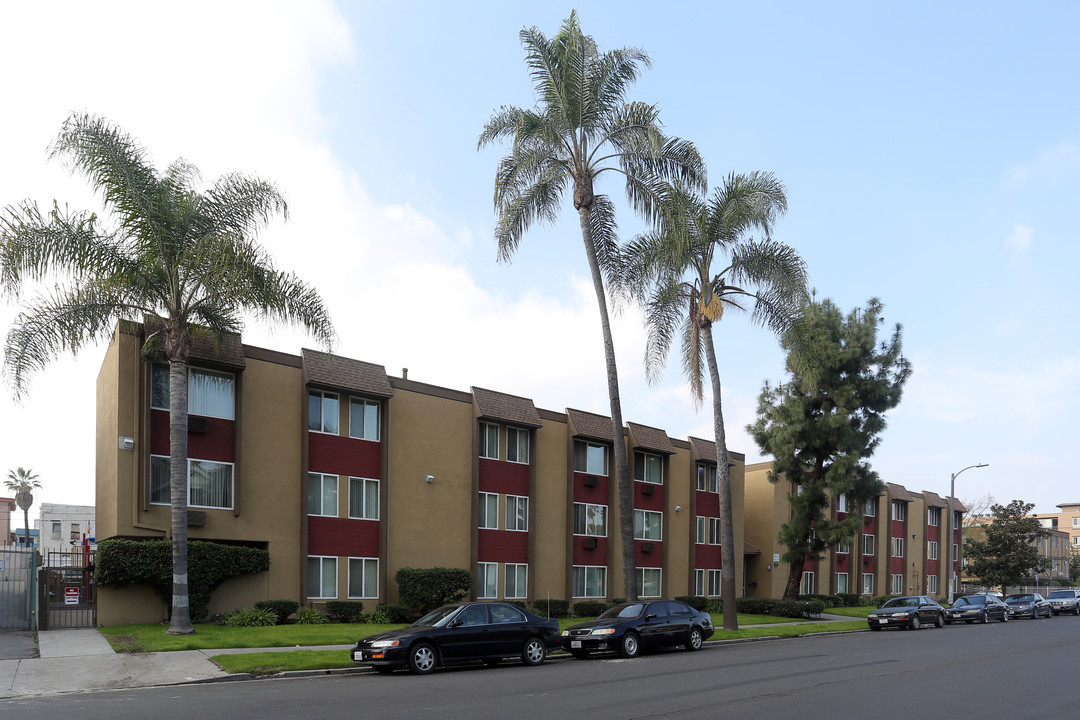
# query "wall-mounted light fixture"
(430, 478)
(127, 443)
(678, 508)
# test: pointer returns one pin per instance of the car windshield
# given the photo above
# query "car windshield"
(977, 600)
(438, 618)
(902, 602)
(1062, 594)
(628, 610)
(1020, 598)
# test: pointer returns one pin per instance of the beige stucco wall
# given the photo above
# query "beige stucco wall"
(548, 565)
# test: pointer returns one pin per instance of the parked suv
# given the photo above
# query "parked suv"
(1065, 601)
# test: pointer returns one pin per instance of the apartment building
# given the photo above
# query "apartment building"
(65, 526)
(902, 546)
(1067, 521)
(346, 474)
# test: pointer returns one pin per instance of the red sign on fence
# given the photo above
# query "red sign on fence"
(71, 596)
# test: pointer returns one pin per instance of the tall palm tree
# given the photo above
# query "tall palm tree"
(23, 482)
(582, 129)
(672, 269)
(186, 259)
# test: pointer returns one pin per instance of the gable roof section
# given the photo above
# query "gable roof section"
(341, 373)
(933, 499)
(650, 438)
(705, 449)
(898, 492)
(590, 425)
(507, 408)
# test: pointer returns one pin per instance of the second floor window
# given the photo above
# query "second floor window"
(648, 525)
(590, 519)
(322, 494)
(841, 503)
(489, 511)
(714, 531)
(363, 498)
(517, 512)
(867, 544)
(898, 547)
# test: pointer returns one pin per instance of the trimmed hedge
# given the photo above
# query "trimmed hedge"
(552, 608)
(281, 608)
(423, 590)
(826, 600)
(589, 608)
(393, 614)
(346, 611)
(120, 563)
(699, 603)
(780, 608)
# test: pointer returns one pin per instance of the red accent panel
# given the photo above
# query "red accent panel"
(841, 515)
(648, 502)
(708, 503)
(596, 556)
(809, 565)
(500, 476)
(217, 443)
(596, 495)
(502, 546)
(931, 567)
(708, 557)
(842, 560)
(933, 533)
(340, 455)
(896, 565)
(648, 559)
(343, 537)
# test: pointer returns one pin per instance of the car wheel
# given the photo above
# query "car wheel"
(534, 652)
(384, 669)
(1004, 617)
(916, 623)
(985, 617)
(940, 622)
(1076, 610)
(629, 646)
(580, 654)
(695, 639)
(422, 659)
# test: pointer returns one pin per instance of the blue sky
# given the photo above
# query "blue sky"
(930, 152)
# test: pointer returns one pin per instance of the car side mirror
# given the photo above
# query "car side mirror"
(455, 623)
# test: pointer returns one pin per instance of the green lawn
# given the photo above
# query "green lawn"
(855, 612)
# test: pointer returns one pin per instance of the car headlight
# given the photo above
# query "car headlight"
(900, 614)
(565, 633)
(384, 643)
(603, 631)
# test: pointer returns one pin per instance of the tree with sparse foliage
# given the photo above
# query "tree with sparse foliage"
(183, 260)
(1009, 552)
(23, 482)
(825, 421)
(584, 128)
(1074, 567)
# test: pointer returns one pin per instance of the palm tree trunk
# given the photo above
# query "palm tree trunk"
(180, 619)
(622, 468)
(723, 475)
(26, 526)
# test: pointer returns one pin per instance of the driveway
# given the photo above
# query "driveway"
(18, 644)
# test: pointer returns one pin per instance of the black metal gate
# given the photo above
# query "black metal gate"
(66, 594)
(17, 579)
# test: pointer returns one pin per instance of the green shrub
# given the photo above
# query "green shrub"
(346, 611)
(716, 606)
(282, 608)
(589, 608)
(120, 563)
(850, 599)
(881, 600)
(423, 590)
(394, 614)
(518, 603)
(310, 616)
(552, 608)
(699, 603)
(618, 601)
(754, 606)
(826, 600)
(250, 617)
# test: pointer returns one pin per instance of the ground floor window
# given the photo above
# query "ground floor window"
(487, 580)
(699, 583)
(648, 582)
(841, 582)
(714, 582)
(322, 578)
(364, 578)
(517, 581)
(931, 584)
(807, 586)
(589, 581)
(868, 583)
(897, 584)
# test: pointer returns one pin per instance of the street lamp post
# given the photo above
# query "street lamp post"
(952, 528)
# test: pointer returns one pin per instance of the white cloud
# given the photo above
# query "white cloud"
(1021, 238)
(1046, 166)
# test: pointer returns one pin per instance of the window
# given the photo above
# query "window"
(590, 458)
(932, 550)
(209, 393)
(648, 468)
(363, 577)
(897, 584)
(517, 513)
(899, 510)
(931, 584)
(898, 547)
(489, 511)
(868, 583)
(867, 544)
(807, 585)
(706, 478)
(647, 525)
(699, 583)
(517, 581)
(160, 493)
(933, 517)
(870, 508)
(957, 521)
(700, 536)
(210, 484)
(323, 412)
(841, 503)
(590, 520)
(1076, 522)
(843, 548)
(489, 441)
(841, 583)
(955, 552)
(714, 531)
(55, 532)
(487, 580)
(364, 499)
(322, 577)
(714, 582)
(364, 419)
(1076, 541)
(589, 581)
(648, 582)
(322, 494)
(517, 445)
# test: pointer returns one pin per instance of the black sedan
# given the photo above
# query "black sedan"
(1032, 605)
(486, 631)
(981, 608)
(629, 628)
(911, 612)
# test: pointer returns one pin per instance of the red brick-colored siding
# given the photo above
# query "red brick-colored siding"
(343, 537)
(338, 455)
(499, 476)
(218, 443)
(507, 546)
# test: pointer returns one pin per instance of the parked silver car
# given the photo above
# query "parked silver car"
(1065, 601)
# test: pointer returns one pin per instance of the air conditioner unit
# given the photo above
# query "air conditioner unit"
(646, 547)
(648, 489)
(591, 481)
(590, 543)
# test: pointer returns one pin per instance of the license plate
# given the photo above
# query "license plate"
(575, 644)
(882, 621)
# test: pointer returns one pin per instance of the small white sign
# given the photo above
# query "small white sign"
(776, 558)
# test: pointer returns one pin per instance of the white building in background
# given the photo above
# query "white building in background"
(63, 527)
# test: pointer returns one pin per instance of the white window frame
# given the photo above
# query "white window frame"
(932, 550)
(585, 572)
(324, 396)
(191, 462)
(230, 414)
(716, 577)
(931, 584)
(322, 570)
(588, 468)
(933, 517)
(516, 569)
(714, 531)
(868, 583)
(640, 526)
(869, 544)
(365, 432)
(699, 582)
(514, 520)
(807, 584)
(897, 584)
(517, 445)
(586, 515)
(955, 552)
(843, 547)
(899, 510)
(366, 593)
(657, 461)
(487, 451)
(870, 508)
(841, 576)
(701, 534)
(841, 503)
(897, 546)
(1076, 522)
(486, 514)
(366, 513)
(487, 580)
(657, 576)
(323, 479)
